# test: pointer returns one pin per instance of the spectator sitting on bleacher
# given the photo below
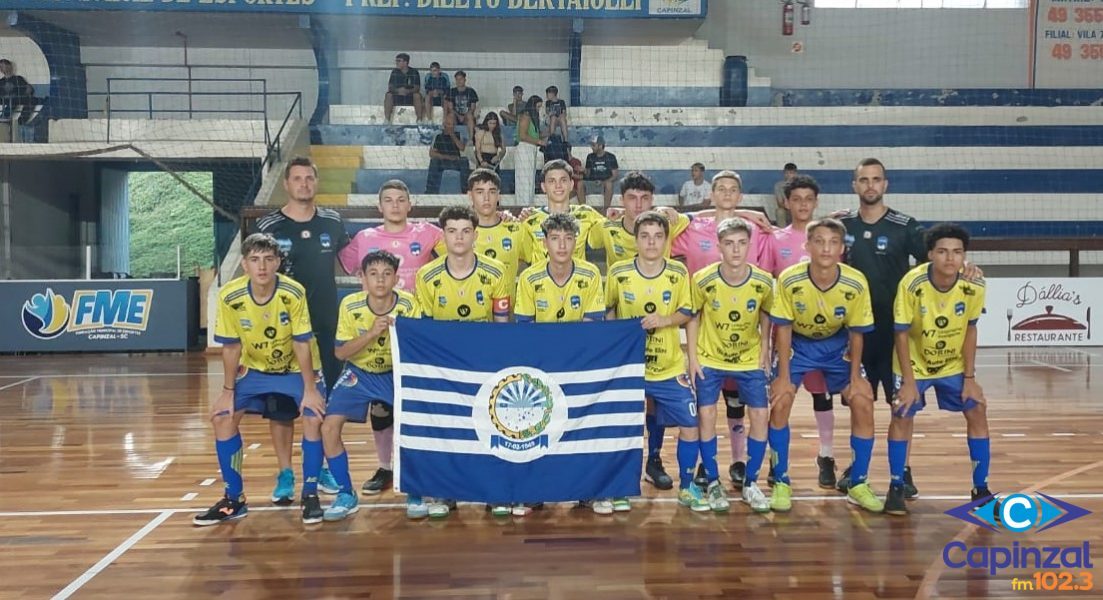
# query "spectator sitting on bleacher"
(601, 169)
(489, 148)
(463, 103)
(513, 110)
(16, 96)
(696, 190)
(404, 88)
(436, 88)
(556, 110)
(446, 154)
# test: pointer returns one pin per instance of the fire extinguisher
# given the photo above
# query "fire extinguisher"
(788, 14)
(806, 13)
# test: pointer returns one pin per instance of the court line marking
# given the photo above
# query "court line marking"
(18, 383)
(938, 566)
(1048, 365)
(188, 497)
(208, 481)
(113, 555)
(391, 505)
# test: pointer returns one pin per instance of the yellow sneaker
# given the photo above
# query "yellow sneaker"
(864, 496)
(782, 498)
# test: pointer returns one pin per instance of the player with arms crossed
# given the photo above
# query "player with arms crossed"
(263, 324)
(366, 386)
(821, 310)
(936, 312)
(728, 338)
(657, 289)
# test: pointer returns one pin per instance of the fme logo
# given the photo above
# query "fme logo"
(94, 313)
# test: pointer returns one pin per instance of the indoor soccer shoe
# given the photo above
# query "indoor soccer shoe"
(983, 492)
(226, 509)
(499, 510)
(864, 496)
(894, 501)
(910, 491)
(692, 498)
(382, 481)
(826, 466)
(738, 473)
(343, 505)
(717, 497)
(754, 498)
(781, 500)
(602, 507)
(621, 505)
(326, 483)
(312, 509)
(416, 508)
(656, 475)
(439, 508)
(284, 492)
(843, 484)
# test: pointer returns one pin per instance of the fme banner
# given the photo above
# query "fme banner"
(591, 9)
(93, 316)
(505, 413)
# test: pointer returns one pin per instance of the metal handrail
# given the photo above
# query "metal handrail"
(274, 149)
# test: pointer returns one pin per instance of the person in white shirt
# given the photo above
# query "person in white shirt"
(696, 190)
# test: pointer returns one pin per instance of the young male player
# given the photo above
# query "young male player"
(459, 286)
(657, 289)
(366, 386)
(264, 326)
(936, 312)
(503, 240)
(783, 249)
(412, 243)
(820, 312)
(557, 183)
(728, 338)
(562, 289)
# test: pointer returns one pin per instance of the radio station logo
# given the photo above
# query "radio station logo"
(95, 314)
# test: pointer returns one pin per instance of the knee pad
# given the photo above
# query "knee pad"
(821, 402)
(736, 409)
(381, 415)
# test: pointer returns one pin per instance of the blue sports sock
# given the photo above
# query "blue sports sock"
(756, 453)
(654, 436)
(687, 461)
(980, 451)
(779, 450)
(863, 452)
(313, 455)
(708, 459)
(229, 462)
(898, 456)
(339, 467)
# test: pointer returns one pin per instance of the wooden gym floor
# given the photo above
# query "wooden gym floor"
(104, 459)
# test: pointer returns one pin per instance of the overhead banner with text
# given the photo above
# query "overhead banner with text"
(589, 9)
(1041, 311)
(1067, 44)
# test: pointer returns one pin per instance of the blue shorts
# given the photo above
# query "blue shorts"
(828, 355)
(752, 386)
(674, 401)
(946, 389)
(275, 396)
(356, 389)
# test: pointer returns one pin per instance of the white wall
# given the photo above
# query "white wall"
(876, 48)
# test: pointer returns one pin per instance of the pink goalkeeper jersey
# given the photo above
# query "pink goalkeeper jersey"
(698, 246)
(413, 246)
(783, 249)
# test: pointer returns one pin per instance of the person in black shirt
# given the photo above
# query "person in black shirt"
(446, 154)
(403, 88)
(16, 96)
(463, 103)
(310, 237)
(601, 167)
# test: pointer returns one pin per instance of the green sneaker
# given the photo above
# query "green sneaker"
(499, 510)
(782, 498)
(621, 505)
(693, 498)
(864, 496)
(718, 498)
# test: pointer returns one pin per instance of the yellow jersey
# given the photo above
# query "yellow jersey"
(818, 314)
(540, 299)
(620, 244)
(355, 318)
(480, 296)
(507, 242)
(265, 331)
(587, 219)
(936, 321)
(729, 314)
(633, 296)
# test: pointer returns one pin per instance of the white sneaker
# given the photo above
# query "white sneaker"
(602, 507)
(755, 498)
(438, 509)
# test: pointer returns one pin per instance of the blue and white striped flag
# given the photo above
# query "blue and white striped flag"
(519, 413)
